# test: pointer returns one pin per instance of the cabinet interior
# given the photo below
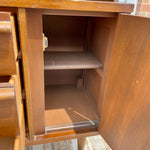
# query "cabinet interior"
(73, 70)
(6, 81)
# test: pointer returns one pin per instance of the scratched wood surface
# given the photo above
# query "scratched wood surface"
(70, 5)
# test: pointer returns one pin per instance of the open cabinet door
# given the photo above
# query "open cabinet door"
(125, 118)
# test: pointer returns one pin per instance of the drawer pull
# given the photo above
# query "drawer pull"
(7, 93)
(5, 27)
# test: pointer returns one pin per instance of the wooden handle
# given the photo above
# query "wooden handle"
(5, 27)
(7, 93)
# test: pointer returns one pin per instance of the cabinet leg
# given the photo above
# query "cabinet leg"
(81, 143)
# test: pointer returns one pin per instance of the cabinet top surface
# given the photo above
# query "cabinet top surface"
(99, 6)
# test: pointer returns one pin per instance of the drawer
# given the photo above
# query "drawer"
(8, 110)
(7, 46)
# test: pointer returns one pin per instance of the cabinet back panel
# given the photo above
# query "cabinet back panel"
(56, 77)
(65, 33)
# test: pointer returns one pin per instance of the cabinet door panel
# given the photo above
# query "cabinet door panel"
(125, 119)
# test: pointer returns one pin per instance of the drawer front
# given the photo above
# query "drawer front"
(7, 55)
(8, 112)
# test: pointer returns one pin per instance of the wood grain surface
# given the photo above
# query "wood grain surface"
(5, 26)
(7, 93)
(125, 119)
(64, 33)
(8, 118)
(78, 13)
(9, 124)
(7, 143)
(61, 136)
(108, 25)
(33, 67)
(70, 5)
(67, 104)
(7, 54)
(62, 77)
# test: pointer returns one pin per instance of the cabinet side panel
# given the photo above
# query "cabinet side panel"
(93, 84)
(125, 119)
(99, 37)
(100, 44)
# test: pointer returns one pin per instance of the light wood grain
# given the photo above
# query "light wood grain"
(24, 47)
(125, 119)
(9, 124)
(33, 67)
(15, 142)
(70, 5)
(61, 136)
(8, 109)
(7, 93)
(8, 118)
(12, 114)
(19, 143)
(53, 61)
(68, 104)
(5, 27)
(7, 56)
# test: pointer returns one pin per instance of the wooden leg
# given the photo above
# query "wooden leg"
(81, 143)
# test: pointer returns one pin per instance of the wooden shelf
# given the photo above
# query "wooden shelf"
(67, 106)
(74, 60)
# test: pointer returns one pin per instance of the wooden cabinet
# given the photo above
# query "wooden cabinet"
(65, 101)
(93, 76)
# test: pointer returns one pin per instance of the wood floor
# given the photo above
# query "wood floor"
(91, 143)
